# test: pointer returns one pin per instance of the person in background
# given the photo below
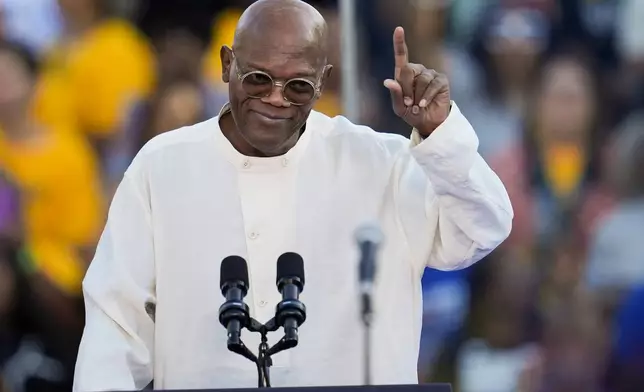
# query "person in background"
(630, 45)
(178, 104)
(446, 297)
(57, 175)
(29, 353)
(223, 32)
(561, 262)
(11, 222)
(599, 23)
(10, 235)
(614, 264)
(508, 46)
(8, 338)
(3, 24)
(36, 24)
(502, 328)
(432, 38)
(331, 102)
(574, 353)
(179, 62)
(554, 172)
(628, 345)
(100, 65)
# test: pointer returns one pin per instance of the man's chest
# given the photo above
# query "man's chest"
(264, 213)
(259, 216)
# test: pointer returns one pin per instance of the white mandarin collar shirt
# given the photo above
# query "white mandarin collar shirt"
(190, 199)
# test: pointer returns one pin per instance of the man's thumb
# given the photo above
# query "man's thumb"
(395, 89)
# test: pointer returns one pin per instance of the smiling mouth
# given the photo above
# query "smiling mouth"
(270, 118)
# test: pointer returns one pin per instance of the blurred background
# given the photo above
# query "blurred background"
(555, 90)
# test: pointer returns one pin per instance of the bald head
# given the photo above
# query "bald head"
(275, 41)
(293, 25)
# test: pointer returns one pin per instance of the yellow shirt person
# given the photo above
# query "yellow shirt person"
(88, 83)
(62, 201)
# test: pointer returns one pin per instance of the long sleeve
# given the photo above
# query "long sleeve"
(457, 200)
(117, 346)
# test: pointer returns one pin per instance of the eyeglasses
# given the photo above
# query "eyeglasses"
(296, 91)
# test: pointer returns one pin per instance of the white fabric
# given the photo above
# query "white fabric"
(190, 199)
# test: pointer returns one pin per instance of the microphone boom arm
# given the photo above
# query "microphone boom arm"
(240, 348)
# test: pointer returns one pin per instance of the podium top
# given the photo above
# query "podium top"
(366, 388)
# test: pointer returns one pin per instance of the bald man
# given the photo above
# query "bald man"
(267, 176)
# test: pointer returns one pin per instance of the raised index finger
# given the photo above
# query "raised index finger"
(400, 50)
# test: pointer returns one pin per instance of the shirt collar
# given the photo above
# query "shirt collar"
(247, 163)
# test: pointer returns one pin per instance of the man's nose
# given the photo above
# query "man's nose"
(276, 97)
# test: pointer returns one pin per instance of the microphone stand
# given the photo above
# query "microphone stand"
(288, 313)
(263, 360)
(367, 316)
(369, 238)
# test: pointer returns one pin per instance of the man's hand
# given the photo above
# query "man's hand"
(420, 96)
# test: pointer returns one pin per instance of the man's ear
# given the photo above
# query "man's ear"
(325, 75)
(226, 56)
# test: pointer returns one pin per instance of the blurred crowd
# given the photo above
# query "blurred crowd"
(554, 88)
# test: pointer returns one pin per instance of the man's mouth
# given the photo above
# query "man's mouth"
(269, 118)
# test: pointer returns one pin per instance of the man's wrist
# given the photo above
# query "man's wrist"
(425, 133)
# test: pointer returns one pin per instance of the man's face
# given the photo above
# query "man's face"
(269, 123)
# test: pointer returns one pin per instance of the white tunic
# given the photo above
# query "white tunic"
(190, 199)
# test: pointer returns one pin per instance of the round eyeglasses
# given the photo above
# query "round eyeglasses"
(296, 91)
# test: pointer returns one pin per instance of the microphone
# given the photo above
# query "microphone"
(234, 314)
(369, 238)
(290, 313)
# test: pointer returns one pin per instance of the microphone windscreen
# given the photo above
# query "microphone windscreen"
(290, 265)
(370, 233)
(233, 269)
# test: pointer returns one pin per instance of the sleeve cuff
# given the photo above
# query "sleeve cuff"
(450, 151)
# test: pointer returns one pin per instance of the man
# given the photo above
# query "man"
(268, 176)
